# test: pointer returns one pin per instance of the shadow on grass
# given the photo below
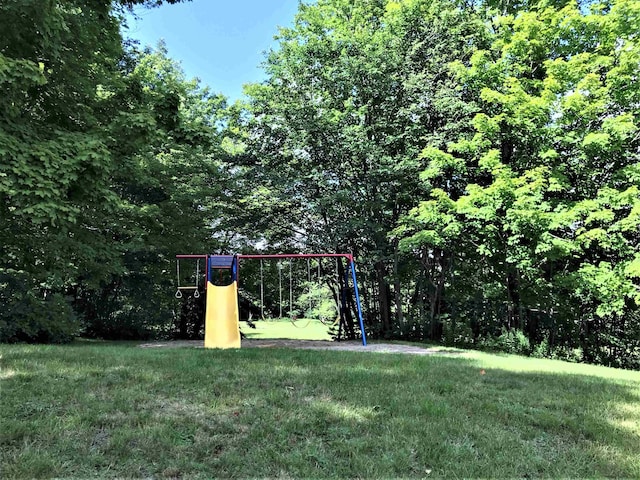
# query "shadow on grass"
(111, 410)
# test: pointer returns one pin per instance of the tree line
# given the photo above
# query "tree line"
(481, 159)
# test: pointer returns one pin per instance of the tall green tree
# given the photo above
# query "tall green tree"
(547, 227)
(56, 164)
(170, 190)
(354, 91)
(110, 163)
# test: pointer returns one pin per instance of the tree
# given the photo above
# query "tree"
(548, 220)
(56, 162)
(171, 187)
(108, 157)
(353, 92)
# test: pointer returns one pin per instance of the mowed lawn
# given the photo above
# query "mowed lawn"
(111, 410)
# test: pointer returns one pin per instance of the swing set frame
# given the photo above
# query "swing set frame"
(210, 262)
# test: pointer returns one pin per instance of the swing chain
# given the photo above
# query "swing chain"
(178, 292)
(309, 285)
(261, 290)
(196, 292)
(280, 285)
(195, 288)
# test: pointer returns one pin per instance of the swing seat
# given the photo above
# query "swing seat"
(294, 320)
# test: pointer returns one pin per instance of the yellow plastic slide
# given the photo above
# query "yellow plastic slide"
(222, 328)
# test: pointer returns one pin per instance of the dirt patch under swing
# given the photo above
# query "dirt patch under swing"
(353, 346)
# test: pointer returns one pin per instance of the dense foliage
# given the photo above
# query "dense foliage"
(480, 159)
(544, 235)
(107, 157)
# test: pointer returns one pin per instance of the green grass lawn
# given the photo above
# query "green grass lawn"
(104, 409)
(299, 330)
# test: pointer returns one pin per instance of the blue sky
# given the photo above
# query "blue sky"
(221, 42)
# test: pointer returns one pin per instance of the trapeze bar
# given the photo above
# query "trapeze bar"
(191, 256)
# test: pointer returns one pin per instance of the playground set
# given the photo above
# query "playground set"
(222, 311)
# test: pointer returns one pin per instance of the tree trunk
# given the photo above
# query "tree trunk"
(383, 297)
(345, 295)
(513, 305)
(397, 287)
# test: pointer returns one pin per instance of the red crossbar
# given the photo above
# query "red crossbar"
(299, 255)
(279, 255)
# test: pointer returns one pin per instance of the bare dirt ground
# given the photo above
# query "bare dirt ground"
(314, 345)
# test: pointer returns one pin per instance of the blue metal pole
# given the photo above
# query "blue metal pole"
(234, 269)
(352, 264)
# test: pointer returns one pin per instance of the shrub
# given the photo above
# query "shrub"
(317, 302)
(30, 315)
(456, 332)
(510, 341)
(557, 352)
